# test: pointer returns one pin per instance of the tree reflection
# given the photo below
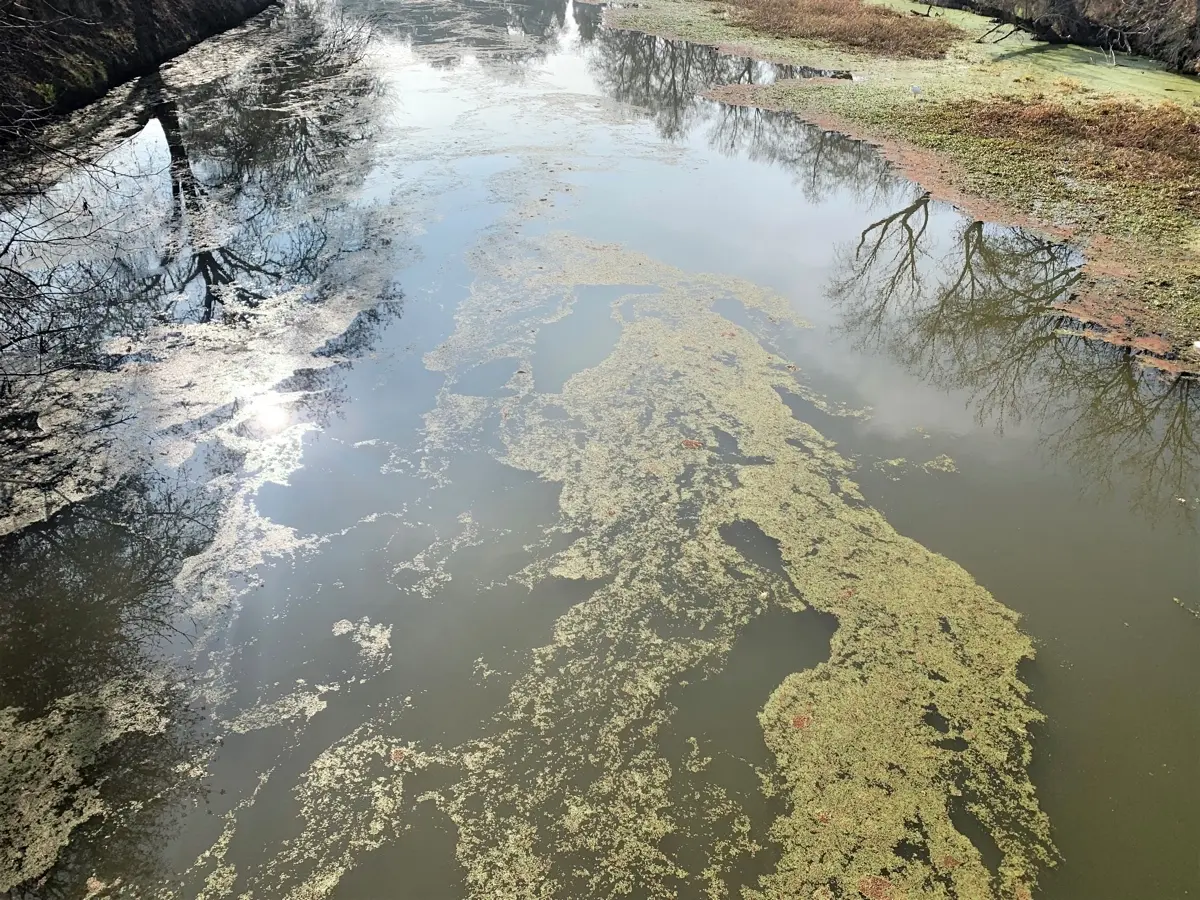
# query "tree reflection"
(274, 152)
(668, 78)
(324, 392)
(79, 591)
(983, 316)
(261, 164)
(87, 597)
(821, 162)
(446, 31)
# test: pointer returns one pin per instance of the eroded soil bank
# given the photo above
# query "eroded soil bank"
(1055, 137)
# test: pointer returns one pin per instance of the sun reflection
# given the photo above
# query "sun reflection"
(270, 414)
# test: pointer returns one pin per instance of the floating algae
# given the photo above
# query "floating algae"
(918, 708)
(302, 703)
(374, 641)
(893, 468)
(940, 463)
(580, 785)
(47, 789)
(350, 802)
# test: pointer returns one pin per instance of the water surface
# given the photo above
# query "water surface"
(504, 473)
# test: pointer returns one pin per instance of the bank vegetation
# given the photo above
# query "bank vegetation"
(1001, 114)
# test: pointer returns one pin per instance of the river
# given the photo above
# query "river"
(465, 462)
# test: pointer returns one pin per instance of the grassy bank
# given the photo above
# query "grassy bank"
(1052, 136)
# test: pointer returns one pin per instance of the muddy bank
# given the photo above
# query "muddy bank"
(1052, 163)
(59, 56)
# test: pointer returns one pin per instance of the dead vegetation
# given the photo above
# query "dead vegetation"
(854, 24)
(1105, 139)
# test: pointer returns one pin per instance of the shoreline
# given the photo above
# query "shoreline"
(1123, 297)
(1099, 318)
(73, 58)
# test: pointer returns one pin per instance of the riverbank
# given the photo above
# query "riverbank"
(1051, 137)
(60, 56)
(496, 445)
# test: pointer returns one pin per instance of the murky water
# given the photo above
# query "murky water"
(506, 474)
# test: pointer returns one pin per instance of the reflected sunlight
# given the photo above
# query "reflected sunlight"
(270, 413)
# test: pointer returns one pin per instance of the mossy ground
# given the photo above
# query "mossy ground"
(1131, 204)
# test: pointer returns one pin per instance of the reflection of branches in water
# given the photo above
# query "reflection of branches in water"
(262, 142)
(53, 309)
(1135, 422)
(983, 324)
(821, 162)
(667, 78)
(271, 133)
(367, 327)
(267, 148)
(94, 584)
(324, 391)
(260, 164)
(87, 597)
(982, 318)
(903, 264)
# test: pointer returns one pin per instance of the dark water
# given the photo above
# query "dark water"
(310, 632)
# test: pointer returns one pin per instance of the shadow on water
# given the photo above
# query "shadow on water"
(980, 315)
(87, 600)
